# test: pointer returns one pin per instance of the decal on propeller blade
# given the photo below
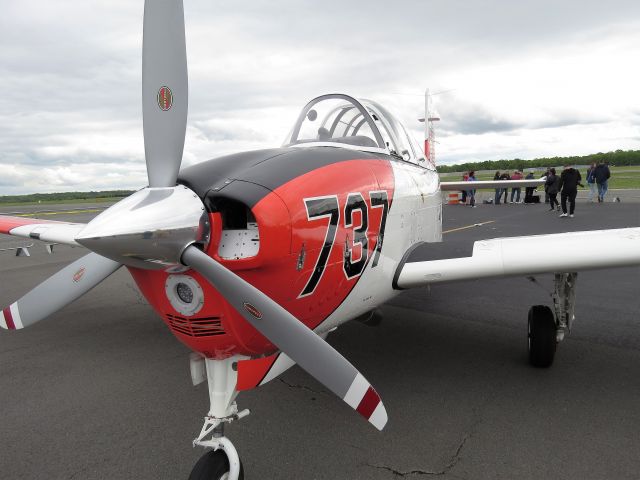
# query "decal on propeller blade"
(165, 98)
(79, 274)
(253, 311)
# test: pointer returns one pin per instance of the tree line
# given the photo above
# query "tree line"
(62, 196)
(618, 158)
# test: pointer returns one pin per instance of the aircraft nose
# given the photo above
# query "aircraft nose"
(149, 229)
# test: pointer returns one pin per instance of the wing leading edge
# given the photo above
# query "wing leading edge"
(502, 257)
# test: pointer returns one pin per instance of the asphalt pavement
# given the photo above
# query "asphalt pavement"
(101, 390)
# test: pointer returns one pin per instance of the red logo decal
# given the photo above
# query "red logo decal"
(165, 98)
(252, 310)
(78, 275)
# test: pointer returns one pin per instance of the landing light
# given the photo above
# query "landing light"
(184, 294)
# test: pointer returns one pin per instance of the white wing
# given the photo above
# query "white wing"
(461, 185)
(502, 257)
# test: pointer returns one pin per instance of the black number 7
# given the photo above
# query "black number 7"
(380, 199)
(322, 207)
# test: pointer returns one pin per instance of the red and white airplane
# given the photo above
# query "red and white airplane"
(252, 259)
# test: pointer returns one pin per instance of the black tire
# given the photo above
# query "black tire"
(213, 465)
(542, 336)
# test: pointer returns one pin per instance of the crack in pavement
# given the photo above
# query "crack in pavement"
(404, 474)
(453, 461)
(455, 458)
(302, 387)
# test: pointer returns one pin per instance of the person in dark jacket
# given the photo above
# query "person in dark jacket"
(498, 195)
(569, 181)
(546, 194)
(505, 176)
(602, 175)
(591, 181)
(552, 187)
(528, 192)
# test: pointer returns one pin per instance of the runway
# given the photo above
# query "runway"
(102, 389)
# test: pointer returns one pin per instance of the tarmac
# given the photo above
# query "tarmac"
(102, 389)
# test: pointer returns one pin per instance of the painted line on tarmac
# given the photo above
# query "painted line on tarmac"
(66, 212)
(469, 226)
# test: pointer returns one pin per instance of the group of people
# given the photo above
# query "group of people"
(598, 180)
(515, 191)
(566, 184)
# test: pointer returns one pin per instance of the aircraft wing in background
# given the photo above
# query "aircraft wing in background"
(477, 185)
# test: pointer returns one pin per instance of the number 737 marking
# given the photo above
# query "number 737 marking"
(328, 207)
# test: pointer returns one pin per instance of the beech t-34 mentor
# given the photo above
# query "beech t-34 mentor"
(252, 259)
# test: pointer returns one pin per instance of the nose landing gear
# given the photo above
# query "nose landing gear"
(223, 463)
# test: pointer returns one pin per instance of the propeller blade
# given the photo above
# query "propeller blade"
(292, 337)
(57, 291)
(164, 90)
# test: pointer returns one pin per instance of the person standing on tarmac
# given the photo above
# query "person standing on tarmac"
(505, 176)
(471, 194)
(602, 175)
(498, 195)
(591, 181)
(569, 181)
(552, 187)
(528, 191)
(465, 177)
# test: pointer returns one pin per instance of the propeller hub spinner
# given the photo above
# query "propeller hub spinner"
(149, 229)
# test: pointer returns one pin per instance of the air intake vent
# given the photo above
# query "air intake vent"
(196, 327)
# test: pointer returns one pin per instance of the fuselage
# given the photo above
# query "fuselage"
(320, 230)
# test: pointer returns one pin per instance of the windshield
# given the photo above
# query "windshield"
(396, 136)
(337, 119)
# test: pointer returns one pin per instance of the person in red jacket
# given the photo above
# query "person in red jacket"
(515, 191)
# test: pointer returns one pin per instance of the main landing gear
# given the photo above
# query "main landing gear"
(222, 463)
(546, 327)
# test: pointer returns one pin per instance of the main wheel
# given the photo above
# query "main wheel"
(542, 336)
(213, 465)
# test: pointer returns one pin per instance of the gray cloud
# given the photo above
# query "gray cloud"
(70, 73)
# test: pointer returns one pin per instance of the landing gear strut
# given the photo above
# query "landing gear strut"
(223, 463)
(546, 327)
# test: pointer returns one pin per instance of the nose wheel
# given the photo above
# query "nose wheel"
(214, 465)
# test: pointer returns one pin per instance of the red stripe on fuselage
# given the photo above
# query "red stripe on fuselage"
(9, 318)
(368, 403)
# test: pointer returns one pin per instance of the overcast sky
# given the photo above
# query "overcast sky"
(521, 79)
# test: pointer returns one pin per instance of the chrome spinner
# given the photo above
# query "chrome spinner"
(149, 229)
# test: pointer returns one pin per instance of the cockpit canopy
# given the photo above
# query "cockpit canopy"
(342, 121)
